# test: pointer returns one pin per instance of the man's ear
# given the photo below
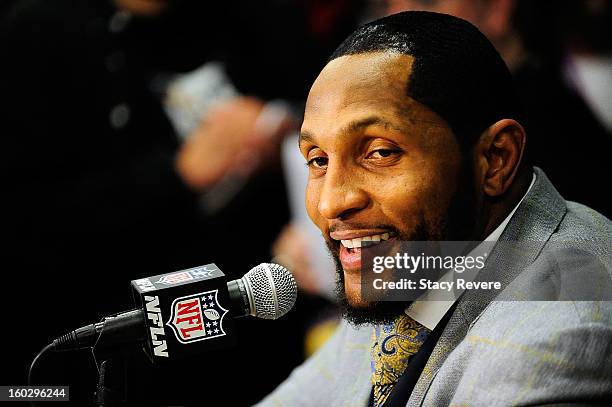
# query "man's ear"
(498, 155)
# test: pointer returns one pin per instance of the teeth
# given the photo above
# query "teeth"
(357, 243)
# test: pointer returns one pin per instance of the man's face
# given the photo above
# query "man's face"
(381, 165)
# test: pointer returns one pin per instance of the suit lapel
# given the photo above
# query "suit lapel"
(533, 223)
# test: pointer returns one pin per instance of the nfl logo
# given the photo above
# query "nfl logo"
(197, 317)
(175, 278)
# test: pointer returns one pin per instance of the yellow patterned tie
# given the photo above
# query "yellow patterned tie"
(393, 346)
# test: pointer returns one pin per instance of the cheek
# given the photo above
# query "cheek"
(398, 198)
(420, 190)
(312, 203)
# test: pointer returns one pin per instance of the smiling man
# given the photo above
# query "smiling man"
(412, 133)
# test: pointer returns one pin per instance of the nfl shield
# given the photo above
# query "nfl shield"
(197, 317)
(188, 275)
(175, 278)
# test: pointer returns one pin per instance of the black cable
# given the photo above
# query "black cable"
(42, 351)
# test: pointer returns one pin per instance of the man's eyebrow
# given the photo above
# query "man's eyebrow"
(304, 136)
(354, 126)
(361, 124)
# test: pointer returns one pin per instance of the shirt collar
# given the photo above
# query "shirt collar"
(431, 311)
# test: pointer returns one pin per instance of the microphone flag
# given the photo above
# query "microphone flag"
(186, 312)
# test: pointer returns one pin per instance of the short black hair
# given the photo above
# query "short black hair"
(456, 70)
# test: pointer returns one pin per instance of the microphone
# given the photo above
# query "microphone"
(267, 291)
(193, 304)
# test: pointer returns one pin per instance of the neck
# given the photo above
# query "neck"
(498, 209)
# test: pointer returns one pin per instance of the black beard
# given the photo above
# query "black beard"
(379, 312)
(459, 223)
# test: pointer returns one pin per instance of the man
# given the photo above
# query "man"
(412, 132)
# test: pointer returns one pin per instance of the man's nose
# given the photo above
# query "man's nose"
(341, 195)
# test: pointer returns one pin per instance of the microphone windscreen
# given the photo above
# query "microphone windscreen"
(272, 290)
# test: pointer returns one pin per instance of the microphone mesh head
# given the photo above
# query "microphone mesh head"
(273, 290)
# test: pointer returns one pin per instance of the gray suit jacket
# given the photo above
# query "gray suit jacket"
(493, 352)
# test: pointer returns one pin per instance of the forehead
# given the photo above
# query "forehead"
(369, 84)
(362, 78)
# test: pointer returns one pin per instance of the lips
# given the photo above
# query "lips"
(350, 248)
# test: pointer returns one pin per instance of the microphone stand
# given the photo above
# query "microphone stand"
(111, 390)
(112, 385)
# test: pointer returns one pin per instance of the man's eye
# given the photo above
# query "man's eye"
(317, 162)
(382, 153)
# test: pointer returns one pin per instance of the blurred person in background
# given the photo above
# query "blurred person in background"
(526, 34)
(98, 189)
(585, 32)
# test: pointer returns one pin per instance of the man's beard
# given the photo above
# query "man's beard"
(375, 312)
(457, 224)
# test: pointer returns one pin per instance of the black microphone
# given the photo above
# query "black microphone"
(183, 312)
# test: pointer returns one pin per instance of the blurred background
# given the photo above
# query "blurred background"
(144, 136)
